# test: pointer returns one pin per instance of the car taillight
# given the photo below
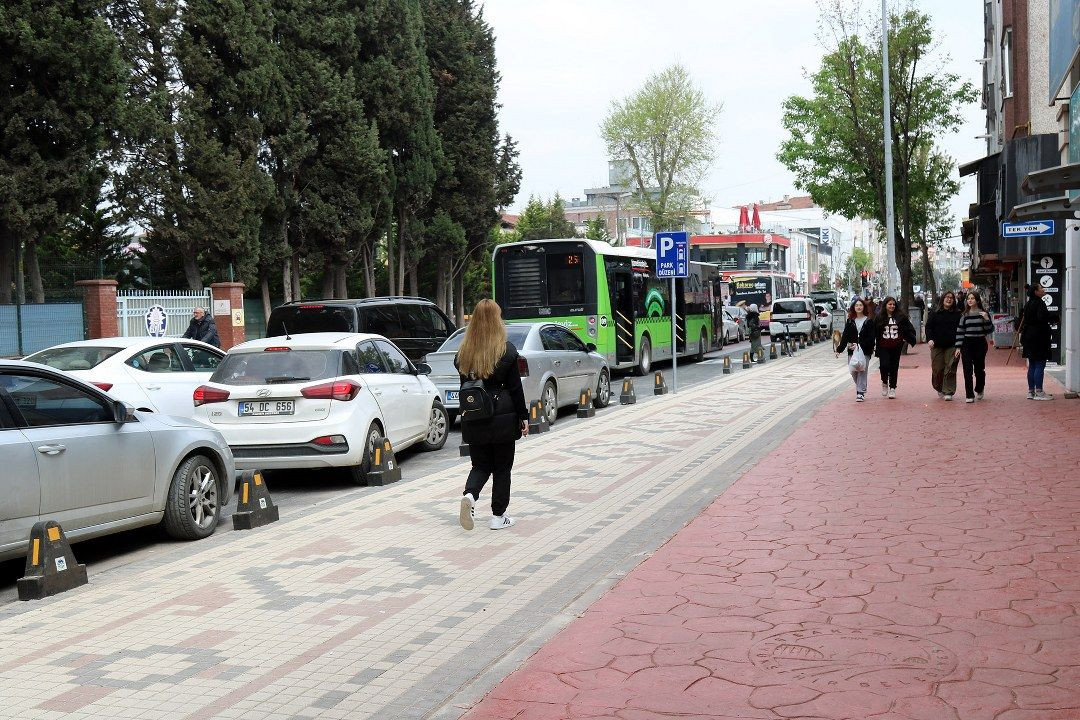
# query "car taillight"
(204, 395)
(102, 385)
(336, 390)
(329, 440)
(523, 367)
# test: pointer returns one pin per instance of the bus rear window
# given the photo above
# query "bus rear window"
(566, 278)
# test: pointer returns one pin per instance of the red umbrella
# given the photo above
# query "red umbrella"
(757, 220)
(744, 219)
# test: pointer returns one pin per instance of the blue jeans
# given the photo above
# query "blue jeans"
(1036, 369)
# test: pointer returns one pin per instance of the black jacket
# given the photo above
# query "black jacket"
(941, 327)
(866, 338)
(903, 326)
(203, 330)
(753, 323)
(1035, 333)
(508, 398)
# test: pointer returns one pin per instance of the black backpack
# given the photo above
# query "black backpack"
(475, 400)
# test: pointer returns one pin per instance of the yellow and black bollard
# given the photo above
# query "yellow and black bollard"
(772, 351)
(585, 407)
(659, 385)
(802, 342)
(727, 364)
(761, 356)
(384, 467)
(254, 507)
(746, 361)
(51, 567)
(463, 449)
(627, 396)
(538, 422)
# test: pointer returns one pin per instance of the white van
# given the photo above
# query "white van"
(792, 317)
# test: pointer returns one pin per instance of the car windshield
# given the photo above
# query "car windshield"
(276, 367)
(516, 334)
(81, 357)
(788, 306)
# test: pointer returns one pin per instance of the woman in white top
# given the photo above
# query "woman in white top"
(859, 331)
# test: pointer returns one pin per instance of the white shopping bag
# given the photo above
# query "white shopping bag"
(857, 362)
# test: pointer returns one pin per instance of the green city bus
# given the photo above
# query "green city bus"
(610, 297)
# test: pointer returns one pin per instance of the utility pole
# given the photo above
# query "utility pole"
(890, 229)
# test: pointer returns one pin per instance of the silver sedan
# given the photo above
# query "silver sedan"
(555, 366)
(75, 455)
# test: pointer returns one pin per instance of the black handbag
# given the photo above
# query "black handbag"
(475, 400)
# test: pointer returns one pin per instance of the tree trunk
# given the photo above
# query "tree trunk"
(440, 286)
(402, 241)
(368, 263)
(928, 272)
(391, 272)
(327, 278)
(264, 286)
(414, 280)
(297, 295)
(33, 270)
(7, 267)
(341, 281)
(459, 299)
(286, 279)
(20, 274)
(189, 258)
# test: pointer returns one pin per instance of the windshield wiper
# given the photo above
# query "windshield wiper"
(276, 379)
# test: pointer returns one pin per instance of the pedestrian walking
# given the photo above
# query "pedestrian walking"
(753, 325)
(941, 339)
(892, 330)
(1035, 340)
(858, 335)
(494, 417)
(202, 328)
(971, 345)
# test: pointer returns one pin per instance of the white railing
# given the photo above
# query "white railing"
(132, 307)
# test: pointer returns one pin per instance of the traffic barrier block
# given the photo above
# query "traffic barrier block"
(727, 365)
(51, 567)
(746, 361)
(802, 343)
(627, 396)
(463, 448)
(761, 356)
(538, 422)
(384, 468)
(659, 385)
(792, 346)
(254, 507)
(585, 407)
(772, 351)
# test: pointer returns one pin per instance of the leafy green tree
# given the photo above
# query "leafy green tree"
(596, 229)
(543, 221)
(666, 131)
(825, 280)
(835, 147)
(854, 265)
(61, 87)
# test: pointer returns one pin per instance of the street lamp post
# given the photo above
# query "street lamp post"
(887, 101)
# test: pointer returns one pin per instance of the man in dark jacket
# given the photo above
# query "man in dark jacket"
(202, 328)
(1035, 338)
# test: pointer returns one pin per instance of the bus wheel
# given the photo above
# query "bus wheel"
(645, 358)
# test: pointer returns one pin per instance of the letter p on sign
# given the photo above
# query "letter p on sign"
(666, 244)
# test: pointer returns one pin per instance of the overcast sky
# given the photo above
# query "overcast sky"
(563, 62)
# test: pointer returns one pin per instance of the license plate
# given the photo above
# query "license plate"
(452, 395)
(261, 407)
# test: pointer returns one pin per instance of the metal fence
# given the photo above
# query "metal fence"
(25, 329)
(133, 308)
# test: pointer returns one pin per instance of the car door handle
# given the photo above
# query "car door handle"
(577, 362)
(404, 389)
(557, 363)
(51, 449)
(153, 387)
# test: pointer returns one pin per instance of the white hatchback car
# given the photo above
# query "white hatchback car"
(155, 374)
(320, 400)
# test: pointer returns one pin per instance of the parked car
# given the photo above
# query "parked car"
(150, 374)
(554, 364)
(824, 317)
(97, 466)
(415, 325)
(738, 314)
(320, 400)
(792, 317)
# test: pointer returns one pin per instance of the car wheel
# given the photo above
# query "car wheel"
(550, 400)
(603, 390)
(358, 473)
(438, 428)
(193, 507)
(645, 359)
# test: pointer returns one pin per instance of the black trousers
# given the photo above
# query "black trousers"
(973, 353)
(889, 364)
(491, 460)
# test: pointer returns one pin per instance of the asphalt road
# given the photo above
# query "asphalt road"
(299, 491)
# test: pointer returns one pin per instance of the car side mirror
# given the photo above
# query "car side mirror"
(423, 369)
(123, 413)
(590, 347)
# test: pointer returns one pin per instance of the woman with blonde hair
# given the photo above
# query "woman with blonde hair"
(488, 365)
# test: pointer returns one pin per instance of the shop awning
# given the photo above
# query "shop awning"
(1055, 179)
(1063, 208)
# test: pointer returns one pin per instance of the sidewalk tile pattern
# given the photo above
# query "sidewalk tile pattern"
(380, 605)
(904, 559)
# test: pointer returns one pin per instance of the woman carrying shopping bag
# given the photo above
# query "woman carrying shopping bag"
(858, 337)
(493, 413)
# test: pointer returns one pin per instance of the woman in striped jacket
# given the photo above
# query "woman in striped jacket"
(971, 345)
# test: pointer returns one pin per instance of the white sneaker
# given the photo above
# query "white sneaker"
(978, 396)
(892, 393)
(884, 389)
(858, 397)
(1040, 395)
(948, 398)
(1031, 396)
(941, 395)
(498, 522)
(468, 510)
(969, 400)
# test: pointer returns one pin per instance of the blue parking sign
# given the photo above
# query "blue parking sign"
(672, 254)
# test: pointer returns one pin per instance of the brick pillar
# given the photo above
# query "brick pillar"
(99, 304)
(230, 324)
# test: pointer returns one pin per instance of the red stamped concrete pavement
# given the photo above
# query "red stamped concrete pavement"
(904, 559)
